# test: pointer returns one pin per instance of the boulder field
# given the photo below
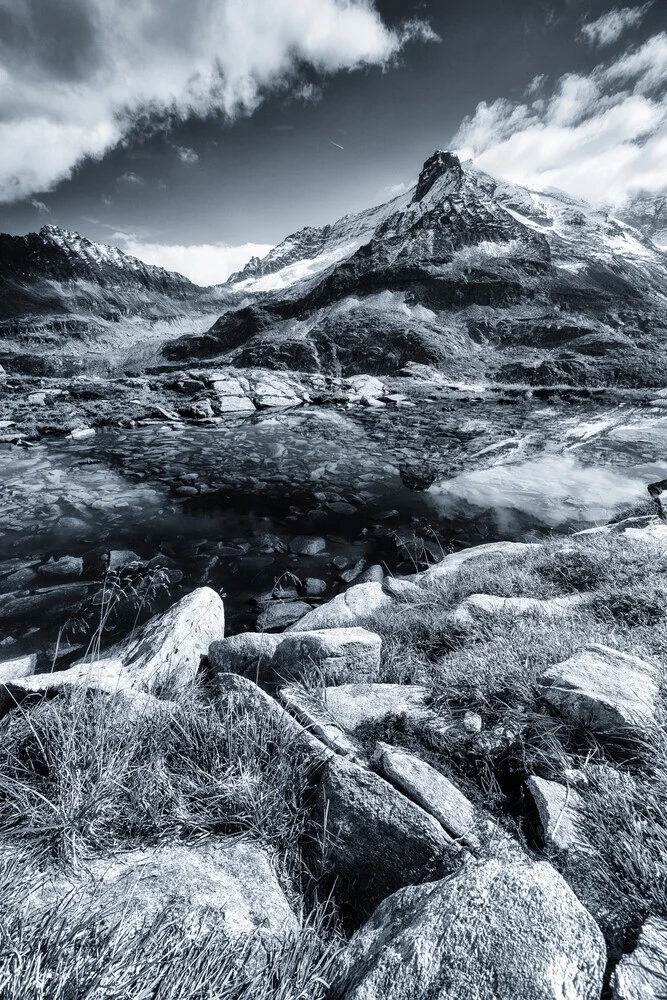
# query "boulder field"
(441, 898)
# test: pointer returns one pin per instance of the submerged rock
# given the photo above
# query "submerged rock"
(611, 692)
(498, 930)
(65, 566)
(280, 614)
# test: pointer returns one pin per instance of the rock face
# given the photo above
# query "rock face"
(498, 930)
(170, 646)
(559, 808)
(642, 975)
(233, 883)
(376, 839)
(347, 609)
(599, 687)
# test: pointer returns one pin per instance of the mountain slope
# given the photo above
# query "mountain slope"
(56, 271)
(463, 272)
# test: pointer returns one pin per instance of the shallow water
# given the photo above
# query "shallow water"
(396, 487)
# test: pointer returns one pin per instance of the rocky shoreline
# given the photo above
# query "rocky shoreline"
(35, 407)
(444, 886)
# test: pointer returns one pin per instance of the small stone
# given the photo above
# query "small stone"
(65, 566)
(279, 615)
(472, 722)
(559, 808)
(307, 545)
(314, 587)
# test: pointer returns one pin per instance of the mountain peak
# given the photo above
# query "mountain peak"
(440, 164)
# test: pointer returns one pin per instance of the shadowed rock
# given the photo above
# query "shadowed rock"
(376, 839)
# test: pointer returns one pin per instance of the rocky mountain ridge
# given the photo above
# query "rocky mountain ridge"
(464, 272)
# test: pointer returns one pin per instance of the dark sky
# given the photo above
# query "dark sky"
(266, 175)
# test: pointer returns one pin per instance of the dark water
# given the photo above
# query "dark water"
(219, 505)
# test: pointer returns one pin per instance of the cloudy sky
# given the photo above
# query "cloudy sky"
(196, 134)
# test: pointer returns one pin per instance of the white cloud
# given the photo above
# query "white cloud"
(608, 28)
(204, 264)
(40, 206)
(394, 190)
(186, 155)
(600, 136)
(130, 178)
(74, 74)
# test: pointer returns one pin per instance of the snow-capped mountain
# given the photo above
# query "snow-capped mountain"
(463, 272)
(56, 271)
(648, 213)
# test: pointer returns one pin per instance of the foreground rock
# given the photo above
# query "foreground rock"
(642, 975)
(347, 609)
(559, 808)
(267, 659)
(218, 883)
(167, 650)
(495, 931)
(376, 840)
(611, 692)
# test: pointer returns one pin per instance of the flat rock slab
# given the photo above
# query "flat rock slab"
(642, 975)
(355, 705)
(489, 607)
(377, 840)
(612, 692)
(497, 930)
(230, 883)
(310, 710)
(559, 807)
(451, 564)
(100, 675)
(435, 793)
(347, 609)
